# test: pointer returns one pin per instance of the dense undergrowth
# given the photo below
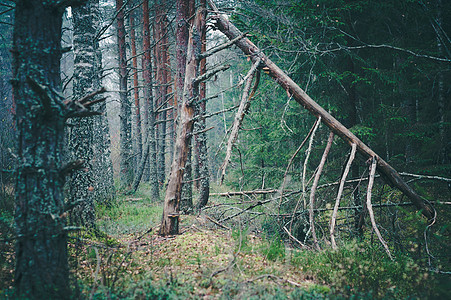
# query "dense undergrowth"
(126, 259)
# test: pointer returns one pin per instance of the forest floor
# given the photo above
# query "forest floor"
(132, 261)
(126, 259)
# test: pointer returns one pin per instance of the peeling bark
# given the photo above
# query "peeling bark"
(171, 210)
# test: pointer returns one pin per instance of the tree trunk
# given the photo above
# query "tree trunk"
(149, 112)
(185, 10)
(41, 252)
(139, 142)
(126, 171)
(200, 140)
(302, 98)
(171, 210)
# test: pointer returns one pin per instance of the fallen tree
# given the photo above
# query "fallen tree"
(255, 54)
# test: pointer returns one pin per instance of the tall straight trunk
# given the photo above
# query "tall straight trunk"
(161, 70)
(390, 174)
(149, 113)
(41, 242)
(82, 138)
(171, 210)
(202, 174)
(139, 142)
(126, 171)
(185, 10)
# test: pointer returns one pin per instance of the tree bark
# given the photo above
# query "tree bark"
(185, 11)
(41, 243)
(80, 139)
(139, 142)
(200, 142)
(126, 171)
(390, 174)
(171, 210)
(149, 111)
(161, 75)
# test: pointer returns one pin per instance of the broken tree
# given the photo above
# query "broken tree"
(170, 220)
(388, 172)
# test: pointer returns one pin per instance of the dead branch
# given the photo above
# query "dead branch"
(307, 156)
(370, 208)
(216, 113)
(420, 176)
(210, 73)
(294, 238)
(217, 223)
(86, 98)
(239, 116)
(291, 161)
(393, 178)
(340, 191)
(220, 47)
(313, 189)
(202, 131)
(318, 121)
(242, 193)
(258, 203)
(43, 92)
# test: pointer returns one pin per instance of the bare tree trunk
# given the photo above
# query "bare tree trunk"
(302, 98)
(171, 210)
(149, 112)
(139, 142)
(126, 172)
(185, 11)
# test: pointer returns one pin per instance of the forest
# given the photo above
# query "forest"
(225, 149)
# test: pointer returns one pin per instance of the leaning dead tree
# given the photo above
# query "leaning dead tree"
(239, 116)
(254, 53)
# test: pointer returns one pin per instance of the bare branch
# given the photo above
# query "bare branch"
(340, 191)
(220, 47)
(210, 73)
(313, 189)
(370, 208)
